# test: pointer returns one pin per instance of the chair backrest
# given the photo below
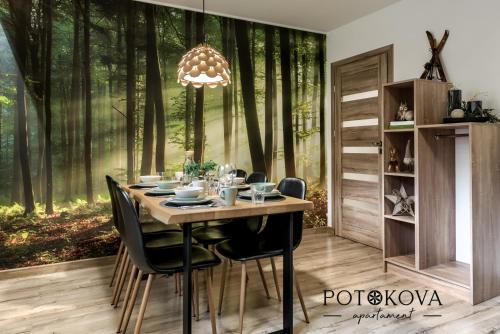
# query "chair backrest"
(132, 233)
(256, 177)
(292, 187)
(241, 173)
(114, 205)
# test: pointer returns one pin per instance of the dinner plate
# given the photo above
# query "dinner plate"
(271, 194)
(243, 186)
(145, 185)
(158, 190)
(189, 201)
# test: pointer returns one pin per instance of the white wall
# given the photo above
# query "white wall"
(471, 58)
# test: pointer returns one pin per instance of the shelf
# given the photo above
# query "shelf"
(445, 126)
(400, 174)
(399, 130)
(407, 261)
(404, 219)
(454, 272)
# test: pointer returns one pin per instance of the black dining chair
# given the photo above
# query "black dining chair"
(256, 177)
(155, 236)
(241, 173)
(265, 244)
(151, 262)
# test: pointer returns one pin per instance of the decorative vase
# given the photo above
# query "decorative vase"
(454, 100)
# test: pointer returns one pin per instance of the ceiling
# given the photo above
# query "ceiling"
(312, 15)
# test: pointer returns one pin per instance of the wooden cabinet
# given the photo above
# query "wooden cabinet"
(425, 246)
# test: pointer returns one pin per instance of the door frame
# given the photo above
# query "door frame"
(336, 120)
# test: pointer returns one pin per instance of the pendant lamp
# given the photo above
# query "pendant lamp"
(203, 65)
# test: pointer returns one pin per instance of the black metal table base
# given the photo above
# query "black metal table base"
(287, 279)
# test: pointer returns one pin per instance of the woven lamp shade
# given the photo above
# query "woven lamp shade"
(203, 65)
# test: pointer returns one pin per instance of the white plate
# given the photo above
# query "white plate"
(158, 190)
(274, 193)
(243, 186)
(181, 201)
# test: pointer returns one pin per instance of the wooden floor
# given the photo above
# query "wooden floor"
(77, 300)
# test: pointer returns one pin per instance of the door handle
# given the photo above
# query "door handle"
(377, 143)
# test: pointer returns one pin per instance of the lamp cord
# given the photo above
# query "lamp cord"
(204, 34)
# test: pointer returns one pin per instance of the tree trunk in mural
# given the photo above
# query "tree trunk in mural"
(188, 110)
(131, 88)
(153, 69)
(49, 208)
(268, 102)
(275, 121)
(303, 110)
(322, 161)
(149, 117)
(236, 101)
(15, 195)
(199, 126)
(296, 106)
(248, 92)
(75, 98)
(286, 94)
(227, 97)
(88, 105)
(314, 107)
(21, 11)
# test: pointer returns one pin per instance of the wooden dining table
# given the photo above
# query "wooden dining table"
(241, 209)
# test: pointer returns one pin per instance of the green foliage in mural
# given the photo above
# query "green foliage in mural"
(89, 88)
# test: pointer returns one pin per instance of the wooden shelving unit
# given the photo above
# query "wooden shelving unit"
(425, 245)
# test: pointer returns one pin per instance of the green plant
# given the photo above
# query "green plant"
(192, 169)
(208, 166)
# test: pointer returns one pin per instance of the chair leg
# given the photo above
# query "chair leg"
(299, 293)
(121, 283)
(211, 305)
(276, 282)
(261, 272)
(119, 275)
(144, 303)
(222, 284)
(133, 276)
(131, 303)
(117, 263)
(196, 295)
(243, 293)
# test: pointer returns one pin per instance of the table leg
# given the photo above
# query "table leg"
(288, 277)
(187, 293)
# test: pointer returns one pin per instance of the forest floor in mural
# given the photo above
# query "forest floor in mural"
(77, 231)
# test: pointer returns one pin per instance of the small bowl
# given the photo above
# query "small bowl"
(264, 186)
(239, 180)
(149, 178)
(168, 184)
(188, 192)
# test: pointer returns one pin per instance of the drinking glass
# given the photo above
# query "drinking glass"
(257, 196)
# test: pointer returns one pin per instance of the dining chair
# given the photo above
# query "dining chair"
(241, 173)
(155, 237)
(256, 177)
(166, 261)
(265, 244)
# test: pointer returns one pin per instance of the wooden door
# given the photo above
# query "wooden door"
(356, 101)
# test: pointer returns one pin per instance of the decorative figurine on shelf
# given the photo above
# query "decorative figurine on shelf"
(408, 160)
(402, 202)
(434, 68)
(403, 113)
(393, 161)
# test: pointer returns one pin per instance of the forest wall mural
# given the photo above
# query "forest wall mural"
(88, 88)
